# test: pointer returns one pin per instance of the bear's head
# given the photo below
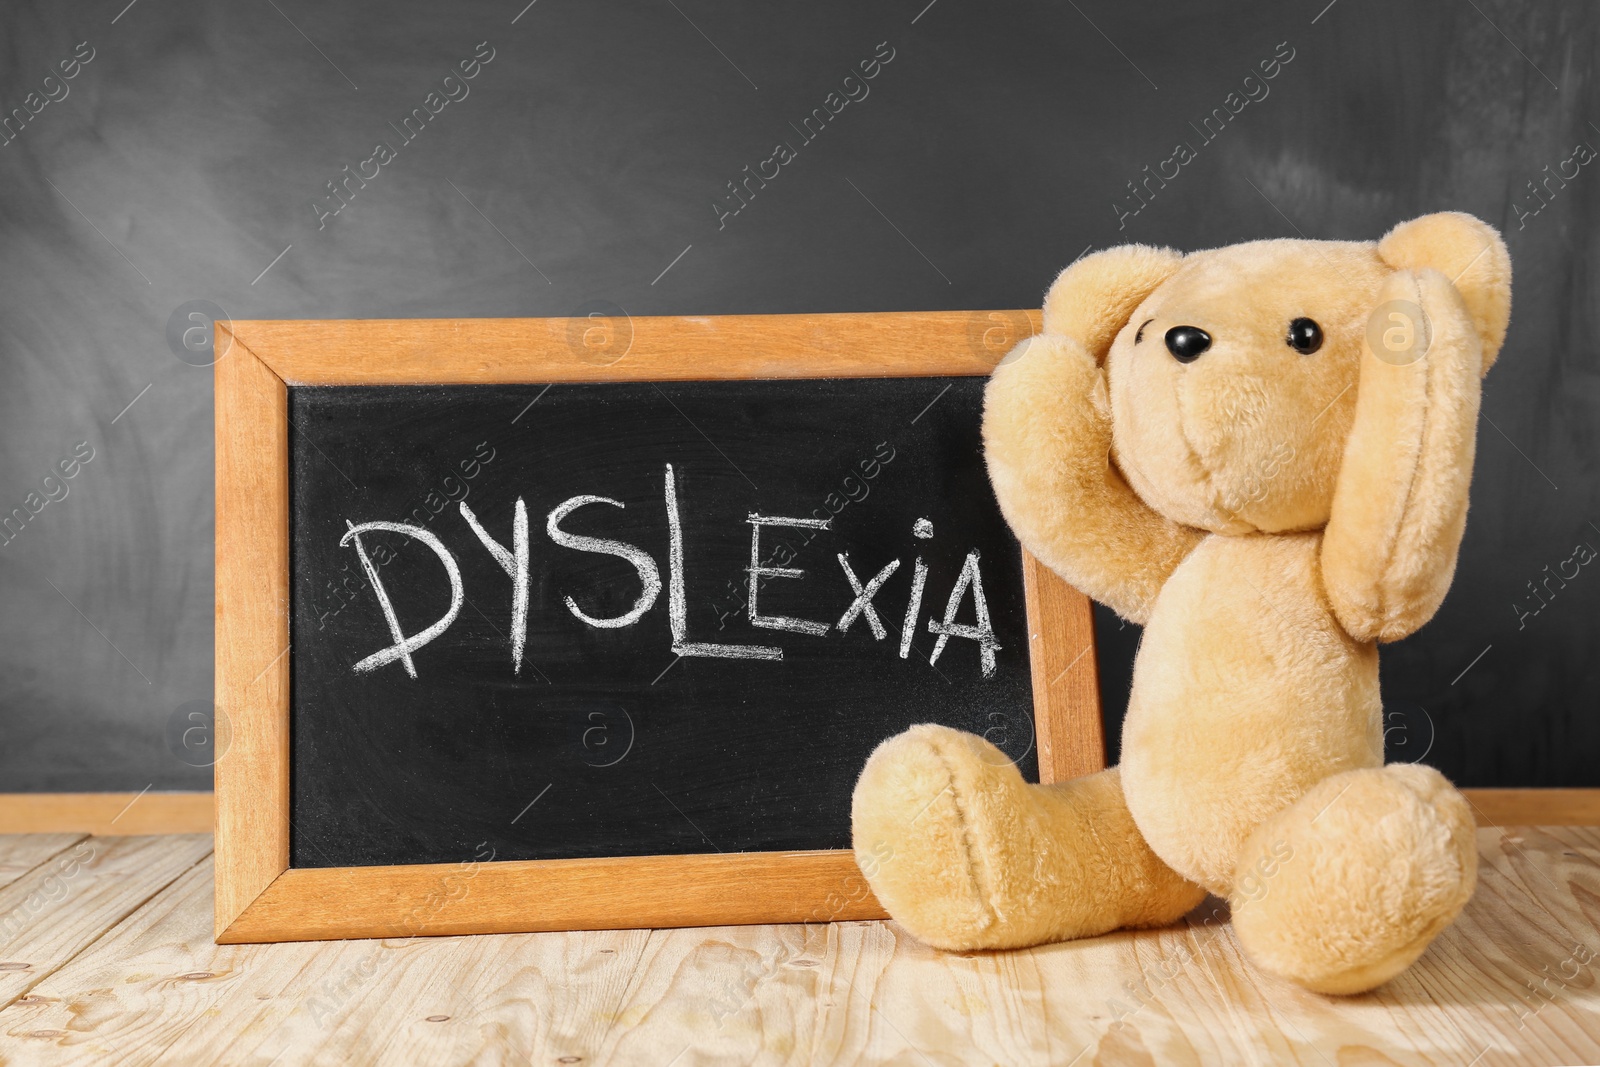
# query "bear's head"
(1232, 373)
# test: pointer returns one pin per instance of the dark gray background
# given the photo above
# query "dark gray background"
(989, 154)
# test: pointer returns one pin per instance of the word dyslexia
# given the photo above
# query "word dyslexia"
(514, 561)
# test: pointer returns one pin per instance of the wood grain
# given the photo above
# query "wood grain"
(657, 348)
(21, 853)
(252, 629)
(1066, 680)
(1502, 986)
(106, 813)
(49, 914)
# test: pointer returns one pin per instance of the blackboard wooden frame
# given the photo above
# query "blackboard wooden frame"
(259, 897)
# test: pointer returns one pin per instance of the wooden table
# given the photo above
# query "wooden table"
(106, 957)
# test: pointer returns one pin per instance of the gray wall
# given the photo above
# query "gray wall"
(587, 156)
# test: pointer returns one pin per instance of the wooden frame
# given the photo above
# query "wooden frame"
(260, 898)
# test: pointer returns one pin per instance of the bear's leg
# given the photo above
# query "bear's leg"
(1344, 888)
(967, 855)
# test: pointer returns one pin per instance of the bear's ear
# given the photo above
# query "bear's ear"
(1468, 252)
(1093, 298)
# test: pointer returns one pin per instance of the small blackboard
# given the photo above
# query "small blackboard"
(573, 641)
(662, 701)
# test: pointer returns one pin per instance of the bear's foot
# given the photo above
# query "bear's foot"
(1343, 889)
(966, 855)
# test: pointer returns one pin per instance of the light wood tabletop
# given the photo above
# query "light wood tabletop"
(106, 956)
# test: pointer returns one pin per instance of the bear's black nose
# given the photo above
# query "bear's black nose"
(1187, 342)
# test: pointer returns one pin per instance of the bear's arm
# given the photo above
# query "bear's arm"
(1047, 437)
(1400, 505)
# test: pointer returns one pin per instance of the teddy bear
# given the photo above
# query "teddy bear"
(1261, 453)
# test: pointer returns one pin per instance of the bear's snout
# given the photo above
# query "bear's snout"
(1186, 343)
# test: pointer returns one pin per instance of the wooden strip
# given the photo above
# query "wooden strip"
(252, 629)
(440, 351)
(1066, 679)
(309, 903)
(21, 853)
(53, 912)
(105, 813)
(1535, 807)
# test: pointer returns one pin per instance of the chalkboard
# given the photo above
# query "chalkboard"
(661, 702)
(538, 624)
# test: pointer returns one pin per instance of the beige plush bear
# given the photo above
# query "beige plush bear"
(1261, 453)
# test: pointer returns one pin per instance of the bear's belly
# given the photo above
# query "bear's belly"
(1246, 691)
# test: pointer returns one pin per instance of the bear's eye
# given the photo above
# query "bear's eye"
(1139, 335)
(1305, 336)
